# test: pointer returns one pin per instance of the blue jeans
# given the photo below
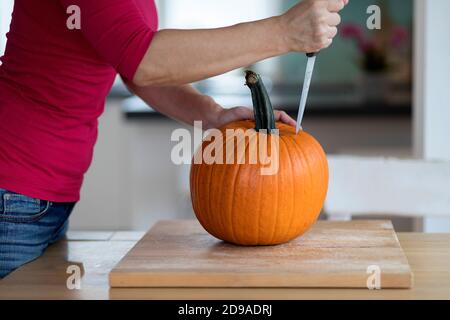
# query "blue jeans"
(27, 227)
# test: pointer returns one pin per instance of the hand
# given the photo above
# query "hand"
(311, 25)
(226, 116)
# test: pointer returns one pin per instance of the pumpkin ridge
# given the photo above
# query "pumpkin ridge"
(223, 199)
(317, 155)
(292, 213)
(258, 211)
(298, 196)
(275, 194)
(310, 178)
(258, 215)
(199, 171)
(314, 155)
(194, 186)
(233, 236)
(225, 174)
(209, 177)
(324, 171)
(195, 189)
(216, 192)
(304, 197)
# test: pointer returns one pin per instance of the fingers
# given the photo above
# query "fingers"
(333, 19)
(332, 32)
(285, 118)
(225, 116)
(322, 42)
(243, 113)
(336, 5)
(325, 29)
(327, 43)
(238, 114)
(311, 25)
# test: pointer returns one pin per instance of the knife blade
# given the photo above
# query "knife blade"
(306, 84)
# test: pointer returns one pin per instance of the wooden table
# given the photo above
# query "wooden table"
(97, 253)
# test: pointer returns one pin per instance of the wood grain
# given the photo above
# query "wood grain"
(45, 278)
(332, 255)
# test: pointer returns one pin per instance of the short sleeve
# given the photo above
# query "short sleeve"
(117, 30)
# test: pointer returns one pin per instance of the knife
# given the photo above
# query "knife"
(306, 85)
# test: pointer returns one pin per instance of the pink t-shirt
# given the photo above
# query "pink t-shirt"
(53, 85)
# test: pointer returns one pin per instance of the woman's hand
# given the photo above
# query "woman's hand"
(311, 25)
(226, 116)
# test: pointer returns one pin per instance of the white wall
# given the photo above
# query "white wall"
(432, 89)
(432, 76)
(5, 18)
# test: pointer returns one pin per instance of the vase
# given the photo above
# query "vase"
(374, 87)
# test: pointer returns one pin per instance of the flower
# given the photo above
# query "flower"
(374, 49)
(352, 31)
(399, 36)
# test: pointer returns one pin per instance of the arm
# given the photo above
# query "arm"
(182, 103)
(183, 56)
(118, 33)
(186, 104)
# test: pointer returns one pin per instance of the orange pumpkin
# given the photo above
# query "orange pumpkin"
(238, 204)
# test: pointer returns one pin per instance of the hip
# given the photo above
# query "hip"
(27, 227)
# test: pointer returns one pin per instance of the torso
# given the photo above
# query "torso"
(53, 86)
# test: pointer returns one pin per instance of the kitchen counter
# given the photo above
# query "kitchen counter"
(324, 100)
(135, 108)
(96, 253)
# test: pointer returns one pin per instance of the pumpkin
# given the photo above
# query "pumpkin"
(237, 204)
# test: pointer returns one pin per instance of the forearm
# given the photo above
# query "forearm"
(178, 57)
(181, 103)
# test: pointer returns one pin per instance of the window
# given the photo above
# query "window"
(210, 14)
(5, 19)
(339, 78)
(194, 14)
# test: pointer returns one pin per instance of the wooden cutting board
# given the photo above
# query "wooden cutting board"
(180, 253)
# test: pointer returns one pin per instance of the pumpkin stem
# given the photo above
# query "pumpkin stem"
(262, 106)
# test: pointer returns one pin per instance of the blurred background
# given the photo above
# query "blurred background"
(369, 107)
(363, 69)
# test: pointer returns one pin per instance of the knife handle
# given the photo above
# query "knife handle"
(311, 54)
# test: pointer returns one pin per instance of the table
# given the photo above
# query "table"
(96, 253)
